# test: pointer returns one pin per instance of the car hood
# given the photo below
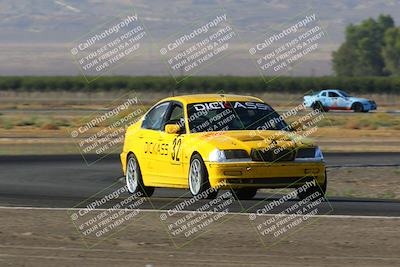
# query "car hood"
(358, 99)
(253, 139)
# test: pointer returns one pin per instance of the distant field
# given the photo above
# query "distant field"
(30, 121)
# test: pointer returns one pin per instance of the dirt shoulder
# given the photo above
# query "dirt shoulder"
(361, 182)
(48, 238)
(381, 183)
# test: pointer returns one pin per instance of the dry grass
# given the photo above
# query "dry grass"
(36, 122)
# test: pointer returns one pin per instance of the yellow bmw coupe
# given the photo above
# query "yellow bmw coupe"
(208, 142)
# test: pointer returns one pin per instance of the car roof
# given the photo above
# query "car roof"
(325, 90)
(198, 98)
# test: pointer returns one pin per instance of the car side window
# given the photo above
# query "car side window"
(323, 94)
(333, 94)
(176, 115)
(154, 120)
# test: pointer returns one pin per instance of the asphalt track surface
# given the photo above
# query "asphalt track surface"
(65, 181)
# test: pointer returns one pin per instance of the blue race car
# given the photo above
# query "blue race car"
(333, 99)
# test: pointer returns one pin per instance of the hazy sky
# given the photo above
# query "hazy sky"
(36, 36)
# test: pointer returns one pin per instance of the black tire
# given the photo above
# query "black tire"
(318, 106)
(357, 107)
(146, 191)
(199, 185)
(244, 193)
(311, 190)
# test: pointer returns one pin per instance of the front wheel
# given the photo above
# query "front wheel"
(133, 178)
(358, 107)
(199, 184)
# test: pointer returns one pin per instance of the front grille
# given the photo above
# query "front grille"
(308, 152)
(272, 155)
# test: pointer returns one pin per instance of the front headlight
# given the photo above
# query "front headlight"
(217, 156)
(318, 154)
(228, 155)
(309, 154)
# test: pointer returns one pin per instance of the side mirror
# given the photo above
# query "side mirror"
(172, 128)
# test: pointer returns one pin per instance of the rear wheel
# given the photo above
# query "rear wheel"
(318, 106)
(244, 193)
(199, 184)
(133, 178)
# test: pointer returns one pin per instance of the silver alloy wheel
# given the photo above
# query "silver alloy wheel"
(131, 175)
(195, 177)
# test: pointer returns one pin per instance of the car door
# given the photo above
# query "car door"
(171, 164)
(150, 135)
(333, 99)
(343, 101)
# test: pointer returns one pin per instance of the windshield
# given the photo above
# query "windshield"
(343, 93)
(230, 116)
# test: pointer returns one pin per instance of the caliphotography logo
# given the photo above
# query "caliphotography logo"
(200, 133)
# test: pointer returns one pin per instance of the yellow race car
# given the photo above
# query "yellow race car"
(208, 142)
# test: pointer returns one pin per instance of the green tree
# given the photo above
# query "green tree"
(391, 51)
(343, 60)
(361, 53)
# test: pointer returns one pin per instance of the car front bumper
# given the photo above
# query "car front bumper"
(370, 106)
(228, 175)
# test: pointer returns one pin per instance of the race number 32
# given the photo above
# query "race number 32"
(176, 146)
